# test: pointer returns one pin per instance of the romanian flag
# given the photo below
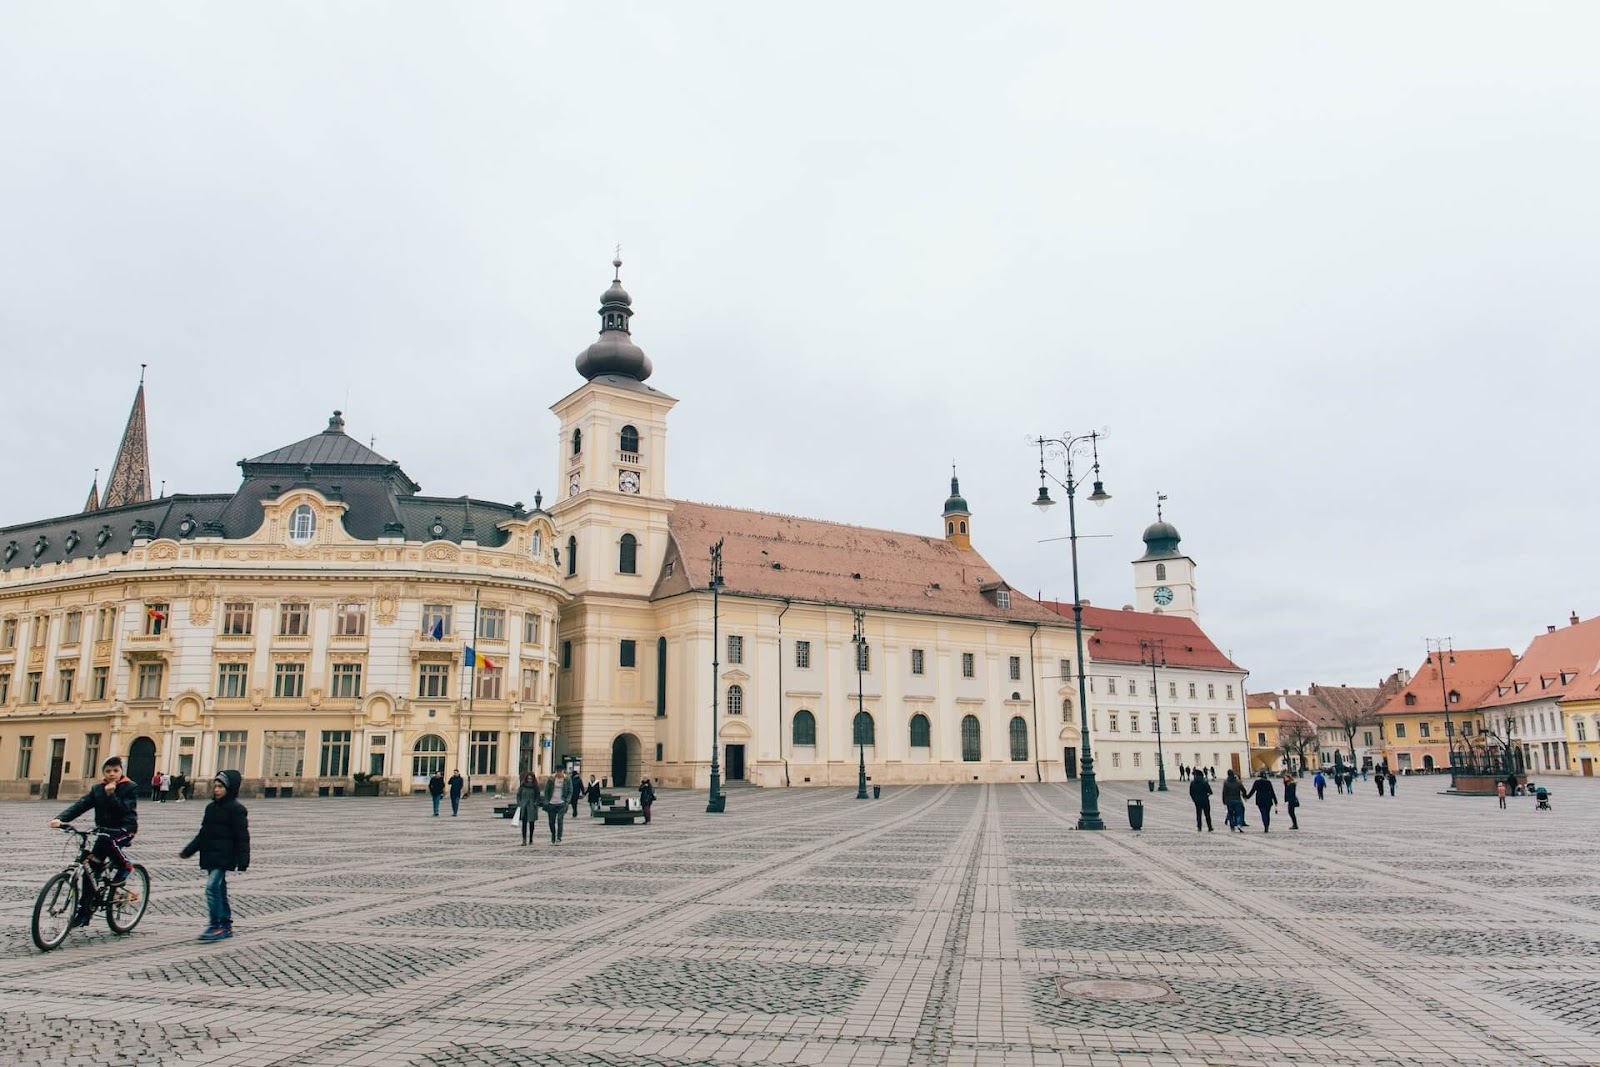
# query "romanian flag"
(156, 613)
(475, 658)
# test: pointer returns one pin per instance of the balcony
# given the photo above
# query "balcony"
(628, 459)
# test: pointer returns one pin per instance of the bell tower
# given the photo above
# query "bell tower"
(957, 518)
(1163, 578)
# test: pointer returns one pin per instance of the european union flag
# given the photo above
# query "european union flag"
(438, 629)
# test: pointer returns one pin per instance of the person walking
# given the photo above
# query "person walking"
(224, 845)
(1266, 799)
(557, 796)
(1500, 791)
(1321, 782)
(1291, 799)
(1391, 783)
(436, 790)
(647, 797)
(1200, 793)
(166, 787)
(577, 789)
(1233, 801)
(457, 783)
(528, 806)
(593, 793)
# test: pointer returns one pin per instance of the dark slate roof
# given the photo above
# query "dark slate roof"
(162, 517)
(329, 455)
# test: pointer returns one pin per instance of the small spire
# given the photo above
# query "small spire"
(93, 503)
(1159, 498)
(336, 424)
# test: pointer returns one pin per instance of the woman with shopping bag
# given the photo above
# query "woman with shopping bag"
(527, 810)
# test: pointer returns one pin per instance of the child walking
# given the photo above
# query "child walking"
(224, 845)
(1501, 791)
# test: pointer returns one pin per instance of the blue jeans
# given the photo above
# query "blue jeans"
(455, 803)
(217, 899)
(436, 798)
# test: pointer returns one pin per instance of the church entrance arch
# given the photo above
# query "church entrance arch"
(625, 761)
(142, 763)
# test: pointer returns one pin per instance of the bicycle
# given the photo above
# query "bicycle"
(56, 910)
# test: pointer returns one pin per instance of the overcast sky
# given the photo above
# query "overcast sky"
(1325, 274)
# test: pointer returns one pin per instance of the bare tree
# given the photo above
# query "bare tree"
(1350, 720)
(1293, 737)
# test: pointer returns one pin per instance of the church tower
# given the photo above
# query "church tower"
(129, 482)
(1163, 578)
(957, 518)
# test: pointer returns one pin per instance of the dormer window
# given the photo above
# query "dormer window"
(577, 442)
(1411, 700)
(630, 439)
(302, 524)
(1002, 598)
(1455, 697)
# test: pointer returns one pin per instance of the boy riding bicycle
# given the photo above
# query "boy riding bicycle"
(115, 802)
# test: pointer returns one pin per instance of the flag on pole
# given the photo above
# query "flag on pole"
(156, 613)
(477, 659)
(438, 629)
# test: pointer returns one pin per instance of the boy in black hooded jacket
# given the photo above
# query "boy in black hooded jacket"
(224, 845)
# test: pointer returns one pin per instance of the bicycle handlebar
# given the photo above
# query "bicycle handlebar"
(98, 831)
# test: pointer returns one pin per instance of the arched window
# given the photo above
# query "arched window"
(921, 735)
(536, 545)
(572, 554)
(302, 524)
(963, 525)
(577, 442)
(628, 555)
(950, 527)
(630, 439)
(864, 732)
(805, 728)
(427, 756)
(971, 739)
(1066, 711)
(1161, 572)
(735, 700)
(1019, 739)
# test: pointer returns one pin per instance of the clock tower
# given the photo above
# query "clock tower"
(1163, 578)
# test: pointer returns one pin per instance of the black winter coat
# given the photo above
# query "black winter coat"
(114, 810)
(1262, 790)
(224, 838)
(1199, 790)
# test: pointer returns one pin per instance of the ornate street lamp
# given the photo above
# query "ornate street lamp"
(716, 802)
(860, 640)
(1070, 446)
(1440, 646)
(1150, 652)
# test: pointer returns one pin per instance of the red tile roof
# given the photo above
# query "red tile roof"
(784, 557)
(1473, 674)
(1118, 634)
(1326, 705)
(1557, 663)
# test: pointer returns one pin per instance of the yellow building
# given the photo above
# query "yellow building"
(1581, 708)
(1261, 721)
(1418, 734)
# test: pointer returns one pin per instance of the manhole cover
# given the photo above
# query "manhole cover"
(1114, 989)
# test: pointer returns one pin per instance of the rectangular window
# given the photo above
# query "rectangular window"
(5, 686)
(1466, 729)
(238, 618)
(968, 665)
(1261, 739)
(1194, 724)
(151, 679)
(230, 749)
(433, 681)
(530, 684)
(735, 648)
(1233, 724)
(1191, 690)
(1172, 690)
(491, 683)
(233, 681)
(1583, 733)
(283, 753)
(335, 761)
(1016, 668)
(99, 683)
(1152, 687)
(288, 681)
(1066, 670)
(346, 681)
(65, 677)
(1133, 722)
(1449, 729)
(24, 756)
(1211, 691)
(1176, 725)
(91, 753)
(105, 622)
(350, 620)
(32, 693)
(802, 654)
(1112, 718)
(1116, 759)
(1133, 687)
(155, 620)
(566, 655)
(72, 633)
(1425, 729)
(40, 631)
(483, 754)
(1111, 686)
(1002, 598)
(1213, 724)
(530, 629)
(863, 657)
(916, 661)
(1399, 729)
(294, 619)
(8, 634)
(1366, 738)
(1230, 692)
(491, 624)
(627, 654)
(1136, 758)
(436, 620)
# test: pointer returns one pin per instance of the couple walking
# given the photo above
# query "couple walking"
(1234, 795)
(560, 791)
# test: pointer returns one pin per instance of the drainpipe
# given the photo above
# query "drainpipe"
(780, 694)
(1033, 692)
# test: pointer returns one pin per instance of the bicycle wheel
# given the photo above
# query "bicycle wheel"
(55, 911)
(129, 901)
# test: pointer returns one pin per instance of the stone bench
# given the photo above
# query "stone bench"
(619, 816)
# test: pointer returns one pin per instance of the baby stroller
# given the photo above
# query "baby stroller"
(1543, 796)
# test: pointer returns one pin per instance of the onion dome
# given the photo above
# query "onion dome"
(956, 504)
(614, 352)
(1161, 540)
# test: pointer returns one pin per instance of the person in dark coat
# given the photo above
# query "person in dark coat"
(115, 800)
(1291, 799)
(593, 793)
(457, 783)
(1266, 799)
(1391, 783)
(577, 788)
(1200, 793)
(436, 790)
(528, 806)
(224, 845)
(647, 797)
(557, 796)
(1233, 801)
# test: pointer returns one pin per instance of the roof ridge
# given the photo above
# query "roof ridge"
(825, 522)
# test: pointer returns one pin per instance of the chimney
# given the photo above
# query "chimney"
(1549, 629)
(1574, 620)
(1285, 692)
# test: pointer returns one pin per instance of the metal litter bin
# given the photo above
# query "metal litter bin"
(876, 791)
(1136, 814)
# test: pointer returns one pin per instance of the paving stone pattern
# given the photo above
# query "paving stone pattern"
(933, 926)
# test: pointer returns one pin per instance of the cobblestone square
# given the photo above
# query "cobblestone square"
(939, 925)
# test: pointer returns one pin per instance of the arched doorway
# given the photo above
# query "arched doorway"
(142, 763)
(624, 761)
(427, 758)
(1427, 763)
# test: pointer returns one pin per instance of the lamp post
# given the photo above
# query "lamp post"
(1440, 646)
(716, 802)
(1088, 789)
(1150, 652)
(860, 640)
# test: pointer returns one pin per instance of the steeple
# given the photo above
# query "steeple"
(93, 503)
(957, 518)
(129, 481)
(614, 353)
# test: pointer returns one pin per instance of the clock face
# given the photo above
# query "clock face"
(1163, 595)
(628, 482)
(572, 486)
